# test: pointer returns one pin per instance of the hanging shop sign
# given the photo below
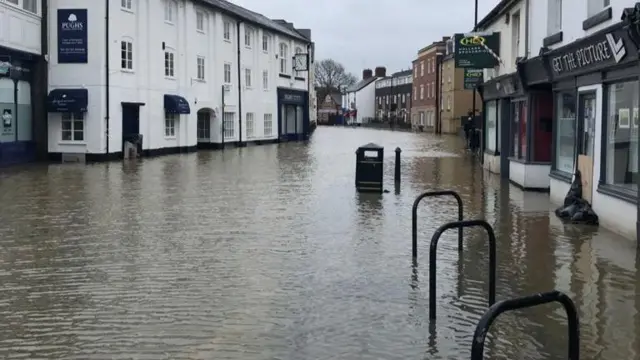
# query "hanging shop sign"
(477, 50)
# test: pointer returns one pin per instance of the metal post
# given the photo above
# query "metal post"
(414, 217)
(432, 259)
(397, 167)
(222, 118)
(475, 28)
(480, 334)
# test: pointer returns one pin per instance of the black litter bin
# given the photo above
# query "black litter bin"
(369, 174)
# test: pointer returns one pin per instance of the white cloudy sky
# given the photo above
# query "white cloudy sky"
(369, 33)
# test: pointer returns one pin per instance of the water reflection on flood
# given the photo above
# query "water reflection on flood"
(268, 253)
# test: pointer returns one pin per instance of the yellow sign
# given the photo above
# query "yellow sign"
(473, 41)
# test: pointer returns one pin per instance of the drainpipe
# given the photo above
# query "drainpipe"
(526, 29)
(438, 93)
(106, 71)
(308, 130)
(239, 88)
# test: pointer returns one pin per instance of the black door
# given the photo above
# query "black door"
(130, 122)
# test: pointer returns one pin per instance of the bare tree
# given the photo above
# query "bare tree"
(330, 76)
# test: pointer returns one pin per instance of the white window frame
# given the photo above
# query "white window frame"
(226, 30)
(200, 68)
(126, 5)
(284, 55)
(126, 55)
(227, 73)
(250, 125)
(72, 119)
(422, 68)
(554, 17)
(596, 6)
(229, 119)
(421, 92)
(247, 78)
(265, 80)
(268, 124)
(170, 124)
(170, 10)
(200, 20)
(265, 43)
(30, 6)
(169, 63)
(248, 34)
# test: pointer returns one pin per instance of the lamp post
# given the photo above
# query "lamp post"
(631, 17)
(475, 28)
(14, 73)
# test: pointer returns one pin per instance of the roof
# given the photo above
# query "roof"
(337, 98)
(254, 18)
(402, 73)
(361, 84)
(498, 10)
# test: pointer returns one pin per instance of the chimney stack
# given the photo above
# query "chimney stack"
(381, 71)
(367, 74)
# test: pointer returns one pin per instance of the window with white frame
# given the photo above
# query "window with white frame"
(448, 102)
(250, 125)
(247, 77)
(248, 34)
(265, 42)
(126, 55)
(298, 51)
(421, 68)
(72, 126)
(229, 125)
(204, 125)
(169, 64)
(170, 124)
(595, 6)
(433, 89)
(200, 66)
(268, 124)
(227, 73)
(554, 16)
(125, 4)
(284, 55)
(265, 80)
(200, 20)
(515, 35)
(433, 65)
(415, 93)
(30, 5)
(421, 92)
(226, 31)
(170, 10)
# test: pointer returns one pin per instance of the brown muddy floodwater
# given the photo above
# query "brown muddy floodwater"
(268, 253)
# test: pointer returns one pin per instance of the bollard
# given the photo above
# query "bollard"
(397, 168)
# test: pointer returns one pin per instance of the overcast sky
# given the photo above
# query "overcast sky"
(369, 33)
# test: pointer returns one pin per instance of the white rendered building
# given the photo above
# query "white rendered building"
(181, 73)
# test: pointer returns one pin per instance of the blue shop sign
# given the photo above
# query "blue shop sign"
(292, 97)
(72, 36)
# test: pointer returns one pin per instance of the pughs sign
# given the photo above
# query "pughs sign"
(476, 50)
(607, 48)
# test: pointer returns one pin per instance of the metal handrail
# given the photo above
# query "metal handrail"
(414, 217)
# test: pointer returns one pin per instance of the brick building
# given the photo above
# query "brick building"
(425, 104)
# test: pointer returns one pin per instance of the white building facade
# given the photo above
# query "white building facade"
(359, 99)
(171, 76)
(588, 64)
(22, 81)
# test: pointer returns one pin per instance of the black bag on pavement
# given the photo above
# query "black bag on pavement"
(576, 209)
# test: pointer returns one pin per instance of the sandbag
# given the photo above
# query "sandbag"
(575, 208)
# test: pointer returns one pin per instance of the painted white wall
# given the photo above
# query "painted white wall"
(145, 26)
(574, 12)
(365, 102)
(19, 28)
(500, 25)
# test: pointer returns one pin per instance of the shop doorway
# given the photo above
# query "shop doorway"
(291, 121)
(131, 137)
(586, 129)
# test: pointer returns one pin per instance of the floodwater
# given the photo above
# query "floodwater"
(268, 253)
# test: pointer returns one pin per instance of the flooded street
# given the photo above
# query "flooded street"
(269, 253)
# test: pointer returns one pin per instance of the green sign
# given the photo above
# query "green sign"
(473, 78)
(475, 50)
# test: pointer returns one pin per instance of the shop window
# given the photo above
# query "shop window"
(519, 130)
(72, 126)
(542, 120)
(565, 134)
(491, 137)
(15, 123)
(622, 135)
(170, 125)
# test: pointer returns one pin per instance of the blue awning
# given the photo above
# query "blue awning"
(176, 104)
(68, 100)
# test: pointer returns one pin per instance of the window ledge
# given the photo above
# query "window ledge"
(561, 176)
(552, 39)
(597, 19)
(169, 137)
(127, 71)
(228, 40)
(620, 193)
(71, 142)
(300, 78)
(172, 78)
(284, 76)
(200, 31)
(130, 11)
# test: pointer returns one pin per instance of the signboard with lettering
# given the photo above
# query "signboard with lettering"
(477, 50)
(604, 49)
(473, 78)
(72, 36)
